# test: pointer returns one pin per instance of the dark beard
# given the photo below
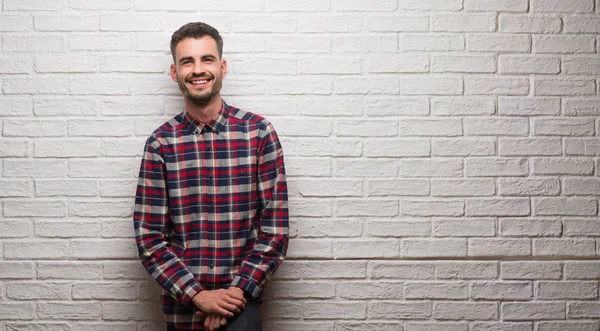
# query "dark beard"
(203, 100)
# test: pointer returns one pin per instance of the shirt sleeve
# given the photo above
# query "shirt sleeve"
(151, 223)
(271, 244)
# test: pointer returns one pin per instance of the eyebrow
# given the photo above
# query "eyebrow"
(203, 57)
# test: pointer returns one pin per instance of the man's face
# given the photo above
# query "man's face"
(198, 70)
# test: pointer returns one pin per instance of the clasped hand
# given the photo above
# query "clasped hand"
(218, 305)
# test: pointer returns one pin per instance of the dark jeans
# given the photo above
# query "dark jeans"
(247, 320)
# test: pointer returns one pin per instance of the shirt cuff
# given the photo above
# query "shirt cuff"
(246, 285)
(189, 291)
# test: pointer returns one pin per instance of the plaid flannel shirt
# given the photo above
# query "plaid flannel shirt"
(211, 208)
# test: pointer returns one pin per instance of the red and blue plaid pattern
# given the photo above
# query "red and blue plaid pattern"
(211, 208)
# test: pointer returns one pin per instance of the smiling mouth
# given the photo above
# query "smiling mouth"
(199, 82)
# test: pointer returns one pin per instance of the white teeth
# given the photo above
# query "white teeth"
(199, 81)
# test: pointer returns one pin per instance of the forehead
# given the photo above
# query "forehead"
(196, 47)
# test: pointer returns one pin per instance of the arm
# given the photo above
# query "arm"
(271, 244)
(151, 223)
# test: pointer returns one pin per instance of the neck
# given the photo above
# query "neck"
(206, 113)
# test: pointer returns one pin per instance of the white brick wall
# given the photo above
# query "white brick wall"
(443, 158)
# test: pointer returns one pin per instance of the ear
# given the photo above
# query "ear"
(173, 72)
(223, 68)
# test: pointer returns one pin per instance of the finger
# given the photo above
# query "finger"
(207, 322)
(228, 306)
(216, 322)
(224, 312)
(223, 321)
(238, 303)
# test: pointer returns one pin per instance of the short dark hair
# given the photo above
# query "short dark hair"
(196, 30)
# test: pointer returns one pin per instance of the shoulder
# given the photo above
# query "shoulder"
(169, 129)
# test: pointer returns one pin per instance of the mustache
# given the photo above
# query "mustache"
(203, 75)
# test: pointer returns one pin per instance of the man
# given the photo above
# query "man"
(211, 217)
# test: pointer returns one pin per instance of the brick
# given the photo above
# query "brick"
(39, 86)
(497, 167)
(107, 168)
(280, 24)
(115, 208)
(434, 326)
(431, 168)
(456, 106)
(398, 187)
(100, 42)
(515, 106)
(568, 325)
(100, 326)
(311, 208)
(346, 248)
(565, 206)
(16, 311)
(103, 249)
(466, 311)
(132, 23)
(366, 208)
(334, 310)
(37, 291)
(283, 309)
(563, 44)
(435, 5)
(100, 5)
(399, 228)
(15, 229)
(498, 207)
(434, 248)
(16, 270)
(496, 86)
(400, 310)
(367, 128)
(291, 290)
(99, 128)
(325, 228)
(463, 147)
(296, 5)
(37, 168)
(497, 5)
(66, 23)
(554, 6)
(67, 229)
(396, 64)
(108, 291)
(529, 186)
(56, 249)
(66, 64)
(16, 23)
(496, 126)
(118, 188)
(501, 290)
(533, 311)
(304, 85)
(587, 270)
(431, 290)
(35, 5)
(581, 186)
(324, 23)
(529, 146)
(460, 64)
(502, 326)
(15, 65)
(103, 85)
(331, 269)
(383, 43)
(464, 228)
(402, 270)
(66, 148)
(463, 22)
(524, 64)
(308, 167)
(531, 270)
(128, 311)
(11, 188)
(307, 248)
(432, 42)
(371, 290)
(119, 270)
(376, 85)
(563, 247)
(588, 310)
(69, 270)
(564, 87)
(564, 290)
(431, 85)
(357, 5)
(519, 227)
(466, 270)
(154, 5)
(403, 106)
(581, 24)
(499, 247)
(62, 107)
(303, 325)
(428, 128)
(432, 208)
(396, 147)
(581, 66)
(33, 43)
(19, 107)
(587, 146)
(41, 208)
(297, 44)
(581, 107)
(142, 64)
(347, 326)
(520, 23)
(562, 166)
(34, 128)
(513, 43)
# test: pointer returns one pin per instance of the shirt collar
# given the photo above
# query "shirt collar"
(216, 125)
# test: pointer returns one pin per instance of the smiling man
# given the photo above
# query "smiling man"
(211, 215)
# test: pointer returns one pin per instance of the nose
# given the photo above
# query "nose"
(198, 67)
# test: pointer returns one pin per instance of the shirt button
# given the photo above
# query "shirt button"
(211, 208)
(212, 236)
(210, 266)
